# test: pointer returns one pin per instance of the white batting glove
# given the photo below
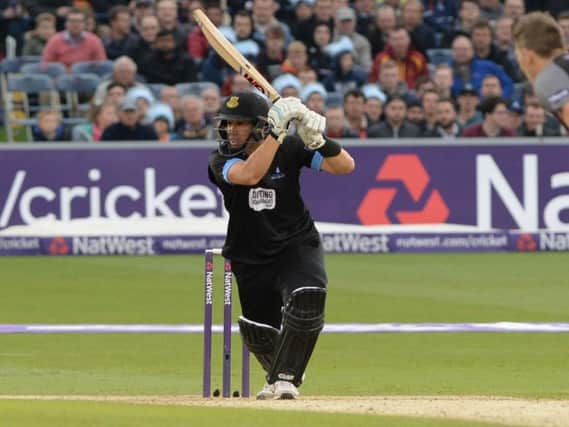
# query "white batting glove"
(311, 129)
(282, 112)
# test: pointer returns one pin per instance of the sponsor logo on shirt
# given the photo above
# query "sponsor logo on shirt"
(278, 174)
(556, 100)
(262, 198)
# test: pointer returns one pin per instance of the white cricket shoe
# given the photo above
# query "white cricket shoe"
(268, 392)
(284, 390)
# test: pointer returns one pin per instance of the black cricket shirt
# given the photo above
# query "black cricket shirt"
(266, 217)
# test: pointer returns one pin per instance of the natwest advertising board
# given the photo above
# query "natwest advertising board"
(503, 187)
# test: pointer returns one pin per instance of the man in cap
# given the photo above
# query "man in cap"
(129, 128)
(346, 27)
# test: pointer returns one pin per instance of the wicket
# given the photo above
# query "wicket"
(208, 329)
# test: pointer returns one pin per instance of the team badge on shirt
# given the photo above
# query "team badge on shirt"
(262, 198)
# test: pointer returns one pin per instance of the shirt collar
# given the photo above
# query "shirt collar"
(68, 37)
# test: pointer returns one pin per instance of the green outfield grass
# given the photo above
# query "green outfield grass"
(391, 288)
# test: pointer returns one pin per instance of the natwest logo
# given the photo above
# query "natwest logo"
(375, 208)
(58, 246)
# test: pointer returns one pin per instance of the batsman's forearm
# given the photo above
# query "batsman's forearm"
(252, 170)
(341, 164)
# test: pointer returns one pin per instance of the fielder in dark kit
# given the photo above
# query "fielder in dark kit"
(274, 248)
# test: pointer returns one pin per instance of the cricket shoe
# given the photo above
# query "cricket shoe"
(268, 392)
(284, 390)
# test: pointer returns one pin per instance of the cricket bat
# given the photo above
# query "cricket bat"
(233, 57)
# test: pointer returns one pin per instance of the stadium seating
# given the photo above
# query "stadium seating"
(17, 106)
(77, 87)
(100, 68)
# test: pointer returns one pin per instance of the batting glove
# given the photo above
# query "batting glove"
(282, 112)
(311, 129)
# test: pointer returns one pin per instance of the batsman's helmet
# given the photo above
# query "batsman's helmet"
(242, 106)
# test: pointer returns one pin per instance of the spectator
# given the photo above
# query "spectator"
(121, 39)
(490, 9)
(211, 98)
(235, 83)
(143, 99)
(307, 76)
(314, 97)
(197, 43)
(365, 16)
(346, 27)
(75, 44)
(272, 56)
(167, 14)
(287, 85)
(263, 16)
(410, 62)
(356, 120)
(59, 8)
(296, 58)
(100, 117)
(115, 94)
(167, 63)
(494, 112)
(142, 9)
(302, 12)
(429, 101)
(124, 73)
(323, 12)
(513, 9)
(374, 99)
(446, 126)
(92, 26)
(14, 23)
(319, 60)
(415, 113)
(468, 113)
(336, 124)
(243, 27)
(395, 125)
(129, 128)
(443, 80)
(484, 48)
(491, 86)
(346, 74)
(534, 122)
(468, 69)
(161, 117)
(169, 95)
(469, 14)
(385, 22)
(50, 127)
(389, 81)
(505, 45)
(149, 28)
(441, 15)
(194, 125)
(424, 84)
(515, 115)
(563, 21)
(422, 36)
(37, 39)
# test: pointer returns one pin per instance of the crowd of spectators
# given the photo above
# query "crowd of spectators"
(375, 69)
